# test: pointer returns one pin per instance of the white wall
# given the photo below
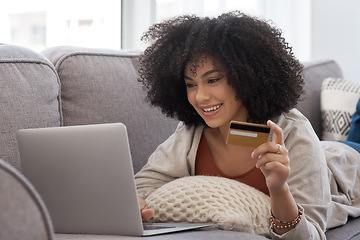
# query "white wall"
(336, 34)
(292, 16)
(137, 16)
(317, 29)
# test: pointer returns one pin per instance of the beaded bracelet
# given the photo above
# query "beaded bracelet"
(285, 225)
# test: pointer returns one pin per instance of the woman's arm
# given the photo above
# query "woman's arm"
(173, 159)
(302, 165)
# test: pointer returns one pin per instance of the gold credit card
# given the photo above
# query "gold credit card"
(247, 134)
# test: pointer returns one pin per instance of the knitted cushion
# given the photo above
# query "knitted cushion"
(228, 203)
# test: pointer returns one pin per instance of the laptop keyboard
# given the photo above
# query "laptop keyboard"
(154, 227)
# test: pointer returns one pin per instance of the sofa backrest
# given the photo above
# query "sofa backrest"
(101, 86)
(29, 97)
(314, 74)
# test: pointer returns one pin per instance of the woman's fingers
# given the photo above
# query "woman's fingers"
(277, 132)
(273, 160)
(268, 157)
(146, 213)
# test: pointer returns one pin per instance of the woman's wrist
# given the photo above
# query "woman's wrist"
(277, 224)
(285, 211)
(280, 191)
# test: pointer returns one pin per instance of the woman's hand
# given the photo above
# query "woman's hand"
(146, 213)
(273, 160)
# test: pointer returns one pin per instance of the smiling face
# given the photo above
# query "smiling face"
(210, 94)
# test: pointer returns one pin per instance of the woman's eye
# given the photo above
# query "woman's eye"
(190, 85)
(213, 80)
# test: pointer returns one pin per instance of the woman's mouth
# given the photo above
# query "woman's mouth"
(211, 110)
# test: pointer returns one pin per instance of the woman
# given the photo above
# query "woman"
(209, 71)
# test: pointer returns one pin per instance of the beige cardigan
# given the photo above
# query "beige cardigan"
(322, 177)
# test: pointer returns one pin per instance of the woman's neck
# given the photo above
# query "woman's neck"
(219, 133)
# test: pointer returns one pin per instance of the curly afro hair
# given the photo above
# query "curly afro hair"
(260, 65)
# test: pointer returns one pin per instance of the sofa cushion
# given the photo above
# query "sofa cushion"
(202, 234)
(349, 231)
(100, 86)
(23, 213)
(338, 103)
(29, 96)
(314, 74)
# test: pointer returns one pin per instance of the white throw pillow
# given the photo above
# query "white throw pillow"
(338, 103)
(228, 203)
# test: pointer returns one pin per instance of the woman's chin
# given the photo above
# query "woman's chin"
(214, 124)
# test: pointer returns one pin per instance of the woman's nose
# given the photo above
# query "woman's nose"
(202, 94)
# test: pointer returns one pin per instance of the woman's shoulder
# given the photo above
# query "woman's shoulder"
(184, 135)
(293, 116)
(293, 119)
(189, 130)
(295, 124)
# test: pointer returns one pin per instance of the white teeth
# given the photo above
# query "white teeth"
(212, 108)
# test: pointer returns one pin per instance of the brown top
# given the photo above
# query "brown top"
(205, 165)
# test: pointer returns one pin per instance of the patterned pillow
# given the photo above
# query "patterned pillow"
(229, 204)
(338, 104)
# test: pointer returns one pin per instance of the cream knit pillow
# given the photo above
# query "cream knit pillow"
(228, 203)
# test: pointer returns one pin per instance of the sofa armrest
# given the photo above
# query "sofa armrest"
(23, 213)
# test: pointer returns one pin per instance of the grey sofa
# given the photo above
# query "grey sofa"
(70, 86)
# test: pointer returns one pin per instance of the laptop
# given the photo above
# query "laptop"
(85, 176)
